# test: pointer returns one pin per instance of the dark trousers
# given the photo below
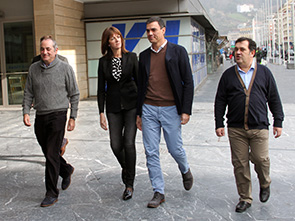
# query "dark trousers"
(49, 130)
(122, 128)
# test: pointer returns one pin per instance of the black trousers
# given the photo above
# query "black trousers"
(122, 129)
(50, 130)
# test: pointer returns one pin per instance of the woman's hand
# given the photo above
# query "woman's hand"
(103, 122)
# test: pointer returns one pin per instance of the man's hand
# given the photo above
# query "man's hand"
(277, 131)
(220, 132)
(27, 120)
(184, 118)
(139, 123)
(71, 125)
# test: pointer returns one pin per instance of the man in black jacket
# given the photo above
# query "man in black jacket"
(165, 97)
(245, 89)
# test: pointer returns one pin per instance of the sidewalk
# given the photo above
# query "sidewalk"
(96, 189)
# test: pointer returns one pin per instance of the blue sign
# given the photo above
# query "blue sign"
(138, 29)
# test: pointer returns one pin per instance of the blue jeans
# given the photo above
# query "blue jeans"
(153, 119)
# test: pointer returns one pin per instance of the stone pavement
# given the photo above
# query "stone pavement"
(96, 189)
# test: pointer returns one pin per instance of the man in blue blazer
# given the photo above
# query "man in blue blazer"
(165, 96)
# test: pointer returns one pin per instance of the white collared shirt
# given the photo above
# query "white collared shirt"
(160, 48)
(246, 77)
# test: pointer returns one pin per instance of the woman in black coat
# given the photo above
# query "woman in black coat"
(117, 90)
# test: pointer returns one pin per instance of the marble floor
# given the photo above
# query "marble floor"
(96, 189)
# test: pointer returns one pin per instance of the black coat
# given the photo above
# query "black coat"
(179, 74)
(117, 94)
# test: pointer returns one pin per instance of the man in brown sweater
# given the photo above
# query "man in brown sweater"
(165, 96)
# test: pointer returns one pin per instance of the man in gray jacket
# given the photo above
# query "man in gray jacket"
(65, 141)
(52, 85)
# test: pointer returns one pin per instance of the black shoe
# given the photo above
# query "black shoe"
(66, 181)
(264, 194)
(242, 206)
(127, 193)
(188, 180)
(157, 200)
(48, 201)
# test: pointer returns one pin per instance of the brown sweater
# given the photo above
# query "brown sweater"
(159, 92)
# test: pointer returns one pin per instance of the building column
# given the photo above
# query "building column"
(62, 20)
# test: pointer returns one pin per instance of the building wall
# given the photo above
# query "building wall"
(16, 9)
(132, 8)
(62, 20)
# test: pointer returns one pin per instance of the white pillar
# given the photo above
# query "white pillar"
(279, 32)
(273, 33)
(293, 28)
(288, 31)
(282, 29)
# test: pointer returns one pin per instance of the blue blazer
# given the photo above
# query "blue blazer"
(117, 94)
(179, 74)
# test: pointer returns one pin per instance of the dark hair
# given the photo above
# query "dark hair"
(46, 37)
(252, 44)
(107, 33)
(157, 19)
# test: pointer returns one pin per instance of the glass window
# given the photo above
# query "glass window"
(1, 99)
(19, 46)
(92, 86)
(92, 68)
(16, 85)
(19, 51)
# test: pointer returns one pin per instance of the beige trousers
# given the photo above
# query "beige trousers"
(249, 145)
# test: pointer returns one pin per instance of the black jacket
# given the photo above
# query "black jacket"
(179, 74)
(117, 94)
(231, 94)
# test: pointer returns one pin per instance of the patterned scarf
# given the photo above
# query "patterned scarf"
(116, 68)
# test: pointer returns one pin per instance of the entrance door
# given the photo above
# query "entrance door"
(1, 75)
(18, 54)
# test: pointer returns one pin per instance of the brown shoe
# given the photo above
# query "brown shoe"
(188, 180)
(157, 200)
(65, 142)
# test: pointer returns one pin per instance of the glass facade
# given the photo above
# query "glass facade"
(19, 48)
(199, 64)
(16, 85)
(19, 51)
(179, 30)
(1, 96)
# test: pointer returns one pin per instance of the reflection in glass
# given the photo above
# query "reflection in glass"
(19, 48)
(1, 99)
(92, 68)
(16, 85)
